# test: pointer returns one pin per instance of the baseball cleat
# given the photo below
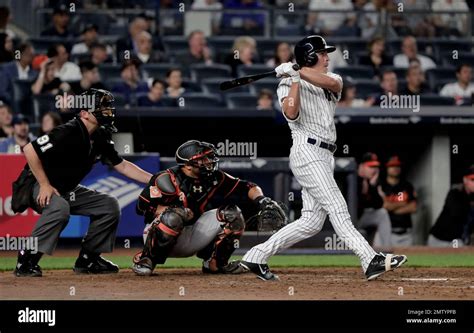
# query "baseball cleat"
(382, 263)
(28, 270)
(261, 270)
(96, 265)
(144, 267)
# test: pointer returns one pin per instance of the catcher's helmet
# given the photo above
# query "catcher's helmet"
(306, 50)
(102, 107)
(198, 154)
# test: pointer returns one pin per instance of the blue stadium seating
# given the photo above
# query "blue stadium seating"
(203, 71)
(241, 100)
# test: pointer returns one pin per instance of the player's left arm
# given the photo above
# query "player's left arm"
(133, 171)
(326, 81)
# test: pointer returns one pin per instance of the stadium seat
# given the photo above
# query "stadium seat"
(443, 47)
(22, 96)
(157, 71)
(356, 72)
(211, 86)
(435, 75)
(199, 101)
(42, 44)
(191, 86)
(245, 70)
(462, 58)
(202, 71)
(435, 100)
(42, 104)
(400, 72)
(174, 44)
(167, 101)
(267, 83)
(241, 100)
(366, 88)
(109, 71)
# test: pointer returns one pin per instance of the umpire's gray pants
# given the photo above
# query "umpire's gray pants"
(103, 210)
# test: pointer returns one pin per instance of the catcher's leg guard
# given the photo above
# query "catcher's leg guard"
(162, 237)
(216, 255)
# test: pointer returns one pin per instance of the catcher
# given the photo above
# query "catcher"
(192, 209)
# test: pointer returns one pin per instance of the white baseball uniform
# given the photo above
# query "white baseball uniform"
(313, 167)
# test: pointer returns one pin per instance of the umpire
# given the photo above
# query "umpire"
(57, 162)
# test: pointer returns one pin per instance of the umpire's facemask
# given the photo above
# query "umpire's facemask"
(103, 107)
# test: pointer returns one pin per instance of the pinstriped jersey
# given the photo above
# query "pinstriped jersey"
(317, 110)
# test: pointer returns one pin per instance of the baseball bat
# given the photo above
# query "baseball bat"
(226, 85)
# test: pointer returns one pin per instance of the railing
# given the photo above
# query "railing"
(178, 22)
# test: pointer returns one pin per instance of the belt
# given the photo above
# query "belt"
(332, 148)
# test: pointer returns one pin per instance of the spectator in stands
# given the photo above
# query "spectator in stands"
(265, 100)
(336, 60)
(247, 23)
(47, 83)
(282, 54)
(17, 69)
(65, 70)
(154, 96)
(20, 138)
(389, 85)
(400, 202)
(145, 52)
(328, 21)
(132, 83)
(99, 53)
(5, 18)
(415, 82)
(198, 52)
(216, 12)
(243, 53)
(60, 23)
(377, 58)
(6, 128)
(348, 96)
(410, 52)
(454, 223)
(370, 201)
(90, 78)
(49, 121)
(369, 20)
(128, 42)
(174, 81)
(89, 37)
(418, 24)
(463, 87)
(6, 48)
(447, 24)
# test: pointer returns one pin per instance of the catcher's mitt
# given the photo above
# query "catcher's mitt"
(271, 216)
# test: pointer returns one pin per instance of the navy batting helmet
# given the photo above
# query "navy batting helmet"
(306, 50)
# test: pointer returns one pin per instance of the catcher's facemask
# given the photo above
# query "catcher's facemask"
(203, 156)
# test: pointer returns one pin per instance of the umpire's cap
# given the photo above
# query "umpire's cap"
(306, 50)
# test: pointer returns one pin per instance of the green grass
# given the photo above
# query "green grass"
(414, 260)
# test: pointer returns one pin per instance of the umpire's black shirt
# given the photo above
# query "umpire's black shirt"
(68, 153)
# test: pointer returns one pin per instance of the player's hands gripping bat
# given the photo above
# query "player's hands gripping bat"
(226, 85)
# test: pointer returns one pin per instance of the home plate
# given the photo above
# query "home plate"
(426, 279)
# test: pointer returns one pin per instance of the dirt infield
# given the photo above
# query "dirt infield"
(295, 284)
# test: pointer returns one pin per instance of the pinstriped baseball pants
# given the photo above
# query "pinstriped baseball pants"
(313, 167)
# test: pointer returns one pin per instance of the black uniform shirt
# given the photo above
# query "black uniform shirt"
(454, 216)
(68, 153)
(199, 195)
(371, 199)
(401, 192)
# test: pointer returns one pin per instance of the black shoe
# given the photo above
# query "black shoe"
(26, 269)
(27, 266)
(262, 270)
(86, 264)
(382, 263)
